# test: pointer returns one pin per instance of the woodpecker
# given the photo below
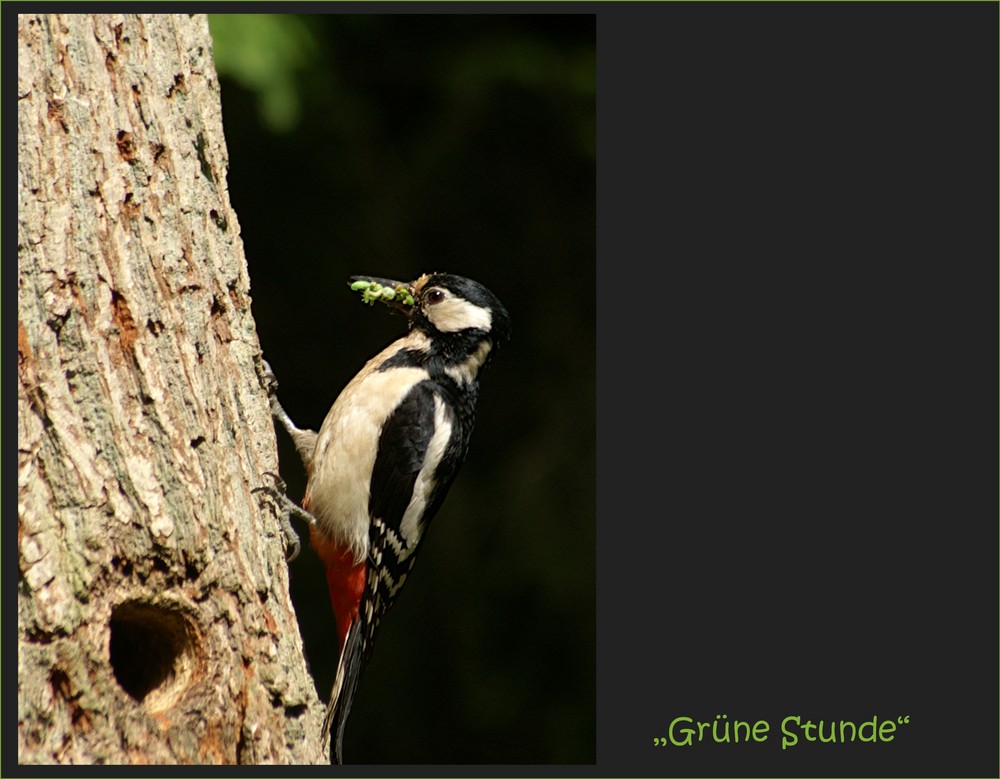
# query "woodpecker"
(387, 453)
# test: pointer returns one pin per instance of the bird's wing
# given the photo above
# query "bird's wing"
(412, 470)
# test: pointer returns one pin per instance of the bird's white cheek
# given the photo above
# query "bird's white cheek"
(454, 314)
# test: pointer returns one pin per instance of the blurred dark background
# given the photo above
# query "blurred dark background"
(394, 145)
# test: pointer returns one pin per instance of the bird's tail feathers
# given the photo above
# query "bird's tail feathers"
(344, 685)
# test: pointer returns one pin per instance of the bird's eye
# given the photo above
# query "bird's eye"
(435, 296)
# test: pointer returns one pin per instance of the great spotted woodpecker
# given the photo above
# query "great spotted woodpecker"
(387, 453)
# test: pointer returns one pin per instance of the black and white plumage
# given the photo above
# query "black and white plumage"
(387, 453)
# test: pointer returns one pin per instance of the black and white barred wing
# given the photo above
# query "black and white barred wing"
(418, 456)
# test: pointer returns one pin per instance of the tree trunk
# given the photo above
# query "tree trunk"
(154, 620)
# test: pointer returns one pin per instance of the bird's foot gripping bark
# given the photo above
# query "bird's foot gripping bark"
(286, 507)
(270, 382)
(304, 440)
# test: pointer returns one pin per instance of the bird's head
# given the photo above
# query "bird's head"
(441, 304)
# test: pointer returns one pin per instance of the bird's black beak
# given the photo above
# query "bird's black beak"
(395, 294)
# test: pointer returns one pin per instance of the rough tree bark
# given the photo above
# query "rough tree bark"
(154, 619)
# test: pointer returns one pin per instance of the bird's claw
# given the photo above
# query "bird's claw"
(269, 380)
(276, 492)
